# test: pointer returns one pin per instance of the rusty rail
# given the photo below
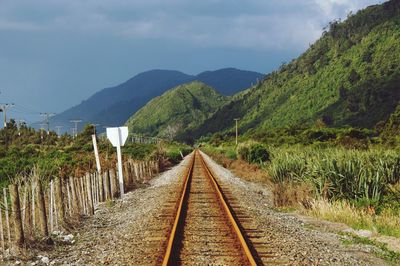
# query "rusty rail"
(221, 199)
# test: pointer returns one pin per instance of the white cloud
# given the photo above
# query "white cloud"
(340, 8)
(255, 24)
(19, 26)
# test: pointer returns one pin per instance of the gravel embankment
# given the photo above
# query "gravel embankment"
(131, 232)
(283, 238)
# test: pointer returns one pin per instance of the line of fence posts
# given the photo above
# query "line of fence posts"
(33, 208)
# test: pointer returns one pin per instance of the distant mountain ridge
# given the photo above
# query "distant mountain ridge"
(113, 106)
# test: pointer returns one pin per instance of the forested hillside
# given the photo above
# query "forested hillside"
(113, 106)
(350, 76)
(177, 110)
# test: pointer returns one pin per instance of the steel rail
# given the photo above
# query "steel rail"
(228, 212)
(172, 238)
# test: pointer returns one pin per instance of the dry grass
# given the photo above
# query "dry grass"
(386, 223)
(249, 172)
(290, 194)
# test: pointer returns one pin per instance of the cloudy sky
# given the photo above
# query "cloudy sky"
(55, 53)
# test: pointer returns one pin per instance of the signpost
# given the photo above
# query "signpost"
(117, 137)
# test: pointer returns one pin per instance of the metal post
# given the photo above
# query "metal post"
(120, 174)
(236, 120)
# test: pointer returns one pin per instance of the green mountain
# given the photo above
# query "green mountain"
(177, 110)
(113, 106)
(350, 76)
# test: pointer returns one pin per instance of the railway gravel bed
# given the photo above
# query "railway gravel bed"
(131, 232)
(284, 237)
(134, 231)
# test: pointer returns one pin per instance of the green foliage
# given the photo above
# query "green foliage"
(173, 151)
(253, 152)
(138, 151)
(176, 111)
(350, 76)
(338, 173)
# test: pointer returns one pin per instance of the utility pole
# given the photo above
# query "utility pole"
(42, 129)
(58, 128)
(94, 128)
(73, 132)
(47, 120)
(19, 123)
(75, 121)
(3, 108)
(236, 120)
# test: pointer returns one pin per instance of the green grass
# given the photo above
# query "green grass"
(380, 249)
(338, 173)
(385, 223)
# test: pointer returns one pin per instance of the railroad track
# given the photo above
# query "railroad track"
(205, 230)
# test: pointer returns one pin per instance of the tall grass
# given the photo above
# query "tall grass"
(338, 173)
(387, 223)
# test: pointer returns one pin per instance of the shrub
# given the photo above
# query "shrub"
(253, 152)
(231, 154)
(258, 153)
(243, 151)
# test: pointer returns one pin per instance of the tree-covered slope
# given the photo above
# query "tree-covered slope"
(177, 110)
(350, 76)
(113, 106)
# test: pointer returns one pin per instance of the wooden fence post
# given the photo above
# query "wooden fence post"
(101, 187)
(42, 209)
(135, 167)
(69, 200)
(106, 185)
(6, 215)
(82, 197)
(112, 183)
(24, 205)
(51, 206)
(60, 200)
(75, 197)
(90, 194)
(2, 234)
(19, 233)
(28, 227)
(33, 204)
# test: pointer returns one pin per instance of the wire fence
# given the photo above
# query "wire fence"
(33, 209)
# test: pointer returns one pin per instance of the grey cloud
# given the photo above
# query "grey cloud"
(249, 24)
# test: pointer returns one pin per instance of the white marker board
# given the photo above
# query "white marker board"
(117, 135)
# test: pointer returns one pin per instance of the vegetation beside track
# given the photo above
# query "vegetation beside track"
(352, 177)
(25, 149)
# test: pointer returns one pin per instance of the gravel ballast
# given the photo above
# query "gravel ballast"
(134, 231)
(286, 238)
(131, 232)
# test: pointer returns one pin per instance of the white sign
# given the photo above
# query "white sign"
(117, 135)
